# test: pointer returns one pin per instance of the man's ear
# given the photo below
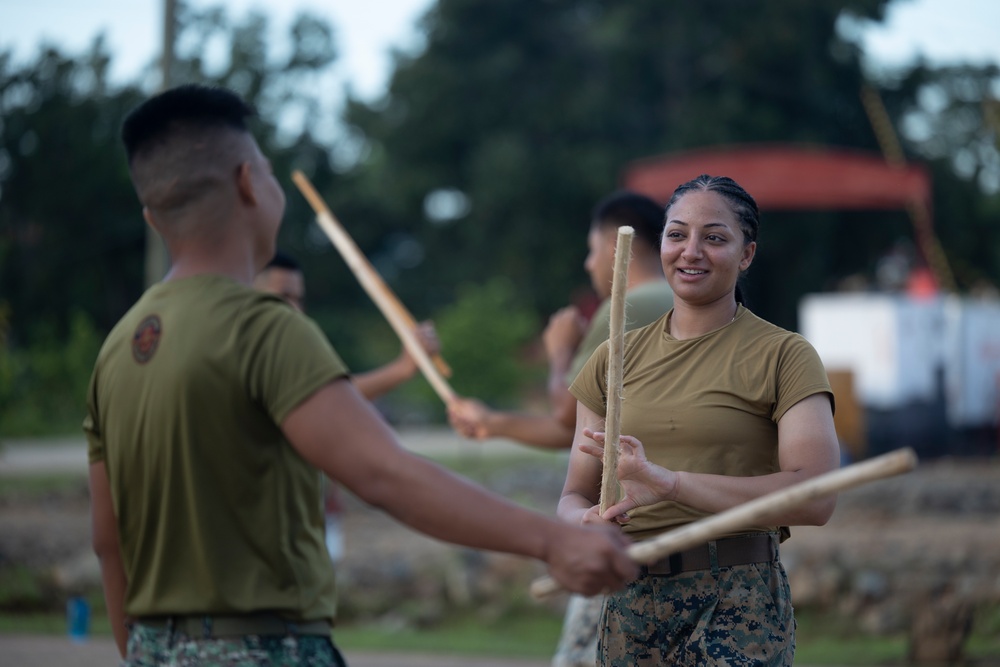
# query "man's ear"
(244, 184)
(147, 215)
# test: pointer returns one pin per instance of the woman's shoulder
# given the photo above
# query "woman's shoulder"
(762, 332)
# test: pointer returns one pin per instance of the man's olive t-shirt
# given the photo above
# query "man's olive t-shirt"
(217, 513)
(644, 303)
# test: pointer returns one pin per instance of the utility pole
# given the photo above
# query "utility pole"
(156, 253)
(920, 215)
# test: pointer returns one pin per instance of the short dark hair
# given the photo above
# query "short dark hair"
(191, 106)
(282, 260)
(744, 206)
(638, 211)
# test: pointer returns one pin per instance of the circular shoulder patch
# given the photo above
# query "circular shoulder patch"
(146, 338)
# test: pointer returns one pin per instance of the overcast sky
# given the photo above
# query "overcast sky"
(945, 31)
(365, 30)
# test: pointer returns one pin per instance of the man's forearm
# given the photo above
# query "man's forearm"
(543, 431)
(107, 546)
(113, 580)
(375, 383)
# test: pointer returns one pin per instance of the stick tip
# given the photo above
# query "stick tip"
(909, 457)
(543, 588)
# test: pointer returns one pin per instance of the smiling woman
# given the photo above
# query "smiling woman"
(729, 408)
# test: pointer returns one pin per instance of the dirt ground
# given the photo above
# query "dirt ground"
(891, 544)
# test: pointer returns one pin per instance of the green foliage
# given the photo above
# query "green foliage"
(529, 112)
(73, 239)
(53, 624)
(988, 622)
(532, 110)
(531, 632)
(43, 385)
(23, 589)
(485, 331)
(35, 487)
(73, 235)
(483, 335)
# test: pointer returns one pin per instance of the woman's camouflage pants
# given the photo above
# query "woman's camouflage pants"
(738, 615)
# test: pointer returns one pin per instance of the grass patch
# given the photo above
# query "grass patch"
(853, 651)
(40, 485)
(22, 588)
(532, 634)
(49, 624)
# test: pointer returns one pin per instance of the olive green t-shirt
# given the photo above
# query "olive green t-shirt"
(216, 512)
(709, 404)
(644, 303)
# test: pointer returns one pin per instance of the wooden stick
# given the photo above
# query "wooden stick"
(392, 309)
(358, 262)
(757, 511)
(616, 354)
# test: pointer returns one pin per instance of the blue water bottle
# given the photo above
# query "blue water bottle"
(78, 619)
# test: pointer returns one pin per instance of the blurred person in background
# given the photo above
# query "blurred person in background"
(284, 278)
(569, 342)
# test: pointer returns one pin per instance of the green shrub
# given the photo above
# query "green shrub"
(23, 589)
(483, 335)
(43, 384)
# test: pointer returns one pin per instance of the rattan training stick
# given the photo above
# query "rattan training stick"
(392, 309)
(757, 511)
(616, 354)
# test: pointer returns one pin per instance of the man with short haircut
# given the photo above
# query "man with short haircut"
(570, 339)
(212, 409)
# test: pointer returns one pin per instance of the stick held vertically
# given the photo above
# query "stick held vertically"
(616, 357)
(392, 309)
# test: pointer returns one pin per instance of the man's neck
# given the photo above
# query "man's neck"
(637, 277)
(230, 262)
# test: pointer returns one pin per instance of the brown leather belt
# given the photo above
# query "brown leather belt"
(741, 550)
(235, 626)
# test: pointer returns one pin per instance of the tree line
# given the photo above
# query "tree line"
(469, 183)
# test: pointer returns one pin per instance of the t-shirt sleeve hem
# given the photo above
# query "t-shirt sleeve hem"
(804, 393)
(295, 398)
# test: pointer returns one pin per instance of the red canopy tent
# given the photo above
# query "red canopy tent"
(787, 177)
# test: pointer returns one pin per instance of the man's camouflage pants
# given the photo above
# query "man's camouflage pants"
(158, 647)
(738, 615)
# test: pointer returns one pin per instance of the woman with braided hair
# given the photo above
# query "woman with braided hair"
(720, 408)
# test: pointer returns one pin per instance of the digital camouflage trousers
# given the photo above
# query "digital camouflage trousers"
(581, 626)
(156, 647)
(738, 615)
